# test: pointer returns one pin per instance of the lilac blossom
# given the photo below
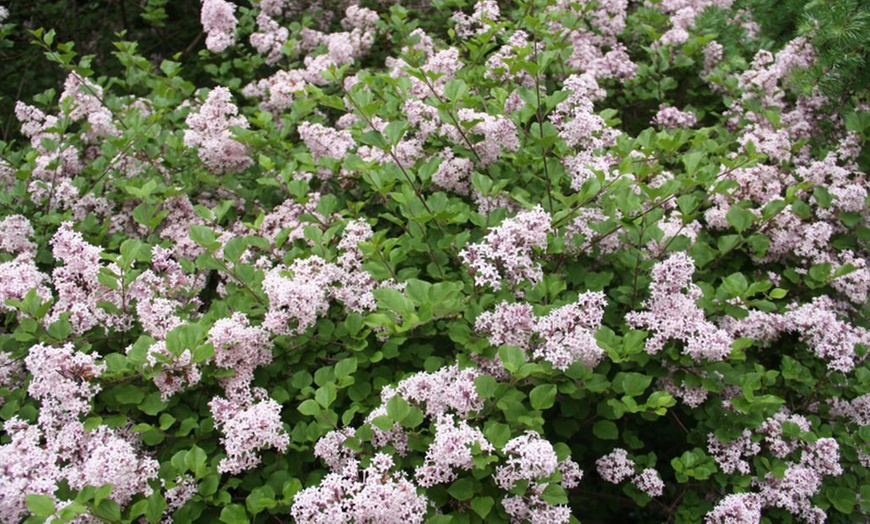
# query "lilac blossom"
(209, 130)
(219, 23)
(247, 428)
(373, 495)
(650, 482)
(615, 466)
(449, 388)
(738, 508)
(731, 456)
(672, 313)
(451, 449)
(506, 251)
(567, 334)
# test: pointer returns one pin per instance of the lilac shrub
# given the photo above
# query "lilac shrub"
(538, 261)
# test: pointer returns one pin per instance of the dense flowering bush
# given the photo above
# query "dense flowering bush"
(538, 261)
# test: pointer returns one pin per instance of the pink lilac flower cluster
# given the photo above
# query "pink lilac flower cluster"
(269, 38)
(84, 100)
(164, 292)
(562, 337)
(615, 467)
(567, 334)
(299, 293)
(793, 491)
(584, 130)
(669, 117)
(692, 396)
(818, 324)
(277, 91)
(209, 130)
(447, 389)
(498, 134)
(672, 313)
(731, 456)
(20, 275)
(247, 428)
(498, 65)
(506, 251)
(171, 372)
(737, 508)
(454, 173)
(241, 347)
(58, 448)
(342, 47)
(284, 221)
(219, 23)
(79, 290)
(371, 495)
(486, 13)
(533, 459)
(683, 14)
(453, 448)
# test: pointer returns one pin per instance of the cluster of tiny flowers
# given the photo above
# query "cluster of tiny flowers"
(172, 372)
(506, 251)
(731, 455)
(486, 13)
(27, 467)
(58, 448)
(673, 313)
(269, 38)
(670, 117)
(791, 491)
(373, 495)
(219, 23)
(738, 508)
(830, 338)
(108, 458)
(241, 347)
(650, 482)
(162, 292)
(511, 324)
(278, 91)
(452, 448)
(584, 130)
(20, 276)
(454, 173)
(83, 98)
(683, 13)
(247, 429)
(615, 466)
(325, 141)
(567, 334)
(296, 300)
(209, 132)
(448, 389)
(692, 396)
(79, 290)
(331, 450)
(533, 459)
(498, 134)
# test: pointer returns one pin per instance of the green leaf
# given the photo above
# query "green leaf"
(482, 506)
(129, 394)
(740, 218)
(309, 407)
(605, 430)
(462, 489)
(485, 385)
(234, 514)
(631, 384)
(512, 358)
(41, 505)
(345, 367)
(398, 408)
(543, 396)
(844, 499)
